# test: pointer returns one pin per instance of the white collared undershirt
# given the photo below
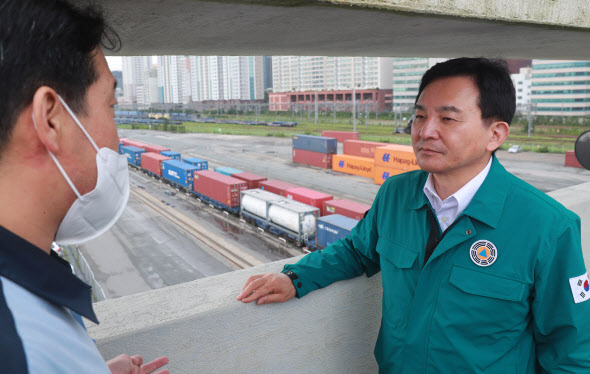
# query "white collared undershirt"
(448, 210)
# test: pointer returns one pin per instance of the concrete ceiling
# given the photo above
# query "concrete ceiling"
(510, 29)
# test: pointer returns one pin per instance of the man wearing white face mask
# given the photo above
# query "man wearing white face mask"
(62, 181)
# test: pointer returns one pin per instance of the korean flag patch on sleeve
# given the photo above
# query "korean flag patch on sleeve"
(580, 288)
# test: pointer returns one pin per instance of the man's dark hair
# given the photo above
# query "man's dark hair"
(497, 97)
(47, 43)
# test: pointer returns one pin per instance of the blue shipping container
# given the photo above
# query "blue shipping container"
(199, 163)
(319, 144)
(120, 150)
(334, 227)
(227, 171)
(179, 173)
(173, 155)
(133, 154)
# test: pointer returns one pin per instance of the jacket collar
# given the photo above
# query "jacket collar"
(488, 202)
(47, 276)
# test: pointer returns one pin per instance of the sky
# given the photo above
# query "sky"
(115, 62)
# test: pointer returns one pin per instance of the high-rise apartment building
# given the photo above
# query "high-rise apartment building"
(561, 87)
(227, 78)
(323, 73)
(407, 73)
(174, 82)
(136, 71)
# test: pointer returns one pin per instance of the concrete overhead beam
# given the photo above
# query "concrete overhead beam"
(557, 29)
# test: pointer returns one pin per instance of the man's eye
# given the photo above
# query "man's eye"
(448, 119)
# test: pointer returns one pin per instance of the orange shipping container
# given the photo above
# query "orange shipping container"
(361, 166)
(396, 156)
(381, 174)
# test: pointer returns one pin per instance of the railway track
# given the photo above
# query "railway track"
(230, 252)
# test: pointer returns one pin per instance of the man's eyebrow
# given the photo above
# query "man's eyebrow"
(418, 107)
(449, 108)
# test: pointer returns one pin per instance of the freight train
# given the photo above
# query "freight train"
(297, 214)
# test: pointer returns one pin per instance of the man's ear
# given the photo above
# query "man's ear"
(48, 118)
(499, 133)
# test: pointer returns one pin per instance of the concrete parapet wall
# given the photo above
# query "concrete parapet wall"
(203, 329)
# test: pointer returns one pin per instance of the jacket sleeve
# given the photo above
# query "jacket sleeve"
(560, 324)
(344, 259)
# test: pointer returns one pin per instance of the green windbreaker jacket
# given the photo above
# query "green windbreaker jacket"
(505, 291)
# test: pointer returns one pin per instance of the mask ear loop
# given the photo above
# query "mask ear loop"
(78, 122)
(58, 164)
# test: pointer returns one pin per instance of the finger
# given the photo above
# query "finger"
(258, 292)
(250, 280)
(272, 298)
(253, 285)
(137, 360)
(150, 367)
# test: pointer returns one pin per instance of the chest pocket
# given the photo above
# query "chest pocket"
(399, 273)
(488, 285)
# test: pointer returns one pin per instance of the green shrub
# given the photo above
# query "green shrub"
(543, 149)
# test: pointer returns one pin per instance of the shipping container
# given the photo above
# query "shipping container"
(133, 143)
(199, 163)
(120, 150)
(346, 208)
(252, 180)
(381, 174)
(173, 155)
(320, 160)
(333, 228)
(361, 148)
(219, 187)
(309, 197)
(341, 136)
(278, 187)
(361, 166)
(133, 154)
(154, 148)
(572, 160)
(226, 170)
(280, 215)
(178, 173)
(396, 156)
(319, 144)
(152, 162)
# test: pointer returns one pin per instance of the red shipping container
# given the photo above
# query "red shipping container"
(309, 197)
(154, 148)
(221, 188)
(342, 135)
(152, 162)
(278, 187)
(134, 143)
(321, 160)
(123, 140)
(346, 208)
(252, 180)
(361, 148)
(571, 160)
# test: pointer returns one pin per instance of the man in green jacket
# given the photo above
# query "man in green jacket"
(481, 272)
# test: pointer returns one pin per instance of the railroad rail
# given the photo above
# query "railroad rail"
(230, 252)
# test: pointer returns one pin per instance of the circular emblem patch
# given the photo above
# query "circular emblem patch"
(483, 253)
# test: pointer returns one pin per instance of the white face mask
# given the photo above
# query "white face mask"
(95, 212)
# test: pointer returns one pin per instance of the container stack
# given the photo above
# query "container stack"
(219, 187)
(393, 159)
(314, 150)
(358, 158)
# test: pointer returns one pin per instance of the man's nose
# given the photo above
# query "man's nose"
(430, 128)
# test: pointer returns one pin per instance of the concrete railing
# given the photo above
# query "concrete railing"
(203, 329)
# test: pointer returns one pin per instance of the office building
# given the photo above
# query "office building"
(560, 88)
(407, 73)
